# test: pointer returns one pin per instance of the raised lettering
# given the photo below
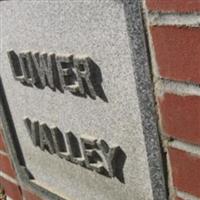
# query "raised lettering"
(26, 66)
(92, 158)
(76, 74)
(88, 152)
(46, 139)
(44, 67)
(109, 155)
(33, 129)
(60, 146)
(15, 66)
(83, 75)
(67, 77)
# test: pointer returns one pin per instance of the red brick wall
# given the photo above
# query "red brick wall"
(182, 6)
(8, 178)
(175, 55)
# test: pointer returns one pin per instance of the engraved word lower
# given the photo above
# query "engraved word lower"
(69, 72)
(89, 152)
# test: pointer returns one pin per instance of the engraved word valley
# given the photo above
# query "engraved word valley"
(89, 152)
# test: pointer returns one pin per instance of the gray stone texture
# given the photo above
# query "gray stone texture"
(98, 29)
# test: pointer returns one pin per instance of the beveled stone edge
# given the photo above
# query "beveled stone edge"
(145, 90)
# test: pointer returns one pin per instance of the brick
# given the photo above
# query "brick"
(30, 196)
(185, 171)
(2, 143)
(11, 189)
(180, 117)
(177, 52)
(183, 6)
(6, 166)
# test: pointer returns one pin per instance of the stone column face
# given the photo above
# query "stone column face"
(76, 100)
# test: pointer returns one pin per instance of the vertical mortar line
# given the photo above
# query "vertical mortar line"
(172, 190)
(155, 77)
